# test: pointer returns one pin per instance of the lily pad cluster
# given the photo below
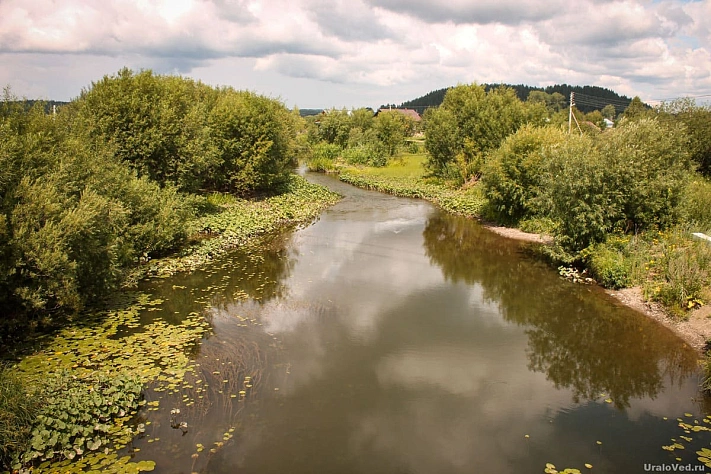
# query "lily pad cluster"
(80, 415)
(91, 378)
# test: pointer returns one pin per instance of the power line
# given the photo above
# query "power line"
(669, 99)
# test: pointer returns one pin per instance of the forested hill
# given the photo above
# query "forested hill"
(589, 98)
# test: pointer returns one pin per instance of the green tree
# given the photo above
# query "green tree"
(628, 179)
(391, 128)
(636, 109)
(697, 122)
(609, 112)
(362, 118)
(335, 126)
(254, 136)
(468, 124)
(157, 124)
(513, 175)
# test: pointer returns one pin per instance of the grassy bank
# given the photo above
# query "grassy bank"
(228, 222)
(405, 176)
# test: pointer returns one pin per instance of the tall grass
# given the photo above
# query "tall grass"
(18, 409)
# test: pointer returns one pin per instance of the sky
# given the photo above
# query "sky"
(360, 53)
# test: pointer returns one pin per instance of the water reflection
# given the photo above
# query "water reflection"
(257, 272)
(579, 339)
(405, 341)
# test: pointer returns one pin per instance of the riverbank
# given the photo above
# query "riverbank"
(406, 178)
(236, 221)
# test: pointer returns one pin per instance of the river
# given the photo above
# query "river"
(389, 337)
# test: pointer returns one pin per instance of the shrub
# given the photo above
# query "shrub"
(512, 177)
(627, 179)
(608, 266)
(370, 155)
(323, 156)
(580, 192)
(254, 138)
(697, 204)
(652, 165)
(684, 267)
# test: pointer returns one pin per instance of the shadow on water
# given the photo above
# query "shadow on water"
(580, 338)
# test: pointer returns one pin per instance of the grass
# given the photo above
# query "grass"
(18, 410)
(405, 175)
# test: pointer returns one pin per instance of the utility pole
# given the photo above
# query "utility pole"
(570, 115)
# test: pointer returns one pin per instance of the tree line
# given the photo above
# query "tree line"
(559, 95)
(115, 176)
(358, 137)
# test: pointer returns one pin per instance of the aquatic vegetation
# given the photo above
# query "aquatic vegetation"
(91, 378)
(79, 415)
(298, 204)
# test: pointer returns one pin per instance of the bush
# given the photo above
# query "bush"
(580, 193)
(627, 179)
(512, 177)
(323, 156)
(369, 155)
(697, 204)
(608, 266)
(254, 138)
(684, 267)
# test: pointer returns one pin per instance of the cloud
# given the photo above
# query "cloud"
(348, 20)
(380, 51)
(509, 12)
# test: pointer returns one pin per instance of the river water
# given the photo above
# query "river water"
(389, 337)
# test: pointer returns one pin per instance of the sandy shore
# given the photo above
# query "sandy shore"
(512, 233)
(695, 330)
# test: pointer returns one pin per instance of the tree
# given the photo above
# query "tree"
(697, 122)
(609, 112)
(391, 127)
(469, 123)
(254, 136)
(335, 127)
(636, 109)
(627, 179)
(513, 175)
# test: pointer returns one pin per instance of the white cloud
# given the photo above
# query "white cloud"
(365, 52)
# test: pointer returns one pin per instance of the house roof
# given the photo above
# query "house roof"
(406, 112)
